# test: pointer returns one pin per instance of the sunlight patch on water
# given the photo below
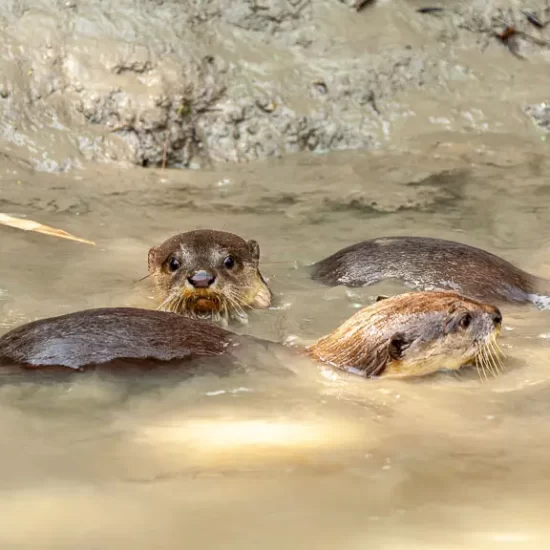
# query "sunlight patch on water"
(237, 434)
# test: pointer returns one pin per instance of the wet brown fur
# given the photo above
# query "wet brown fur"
(234, 291)
(99, 336)
(375, 340)
(398, 335)
(425, 264)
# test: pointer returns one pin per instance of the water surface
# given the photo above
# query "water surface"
(250, 460)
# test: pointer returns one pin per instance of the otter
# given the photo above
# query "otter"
(209, 274)
(430, 264)
(411, 334)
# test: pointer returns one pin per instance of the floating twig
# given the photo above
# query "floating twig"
(29, 225)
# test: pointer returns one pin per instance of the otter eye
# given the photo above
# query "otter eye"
(465, 320)
(229, 262)
(173, 264)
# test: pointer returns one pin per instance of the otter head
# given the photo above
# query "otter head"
(209, 274)
(414, 334)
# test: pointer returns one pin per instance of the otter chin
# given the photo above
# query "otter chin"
(412, 334)
(209, 275)
(204, 306)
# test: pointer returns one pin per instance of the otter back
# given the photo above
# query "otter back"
(429, 264)
(99, 336)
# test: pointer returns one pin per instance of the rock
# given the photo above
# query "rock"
(540, 113)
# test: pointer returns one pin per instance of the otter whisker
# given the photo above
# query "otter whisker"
(478, 370)
(222, 314)
(484, 355)
(238, 310)
(166, 304)
(491, 364)
(226, 312)
(488, 357)
(493, 368)
(498, 354)
(481, 362)
(140, 280)
(174, 304)
(236, 297)
(484, 370)
(494, 360)
(499, 361)
(180, 303)
(236, 302)
(496, 347)
(162, 305)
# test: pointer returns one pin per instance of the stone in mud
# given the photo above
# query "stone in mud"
(540, 113)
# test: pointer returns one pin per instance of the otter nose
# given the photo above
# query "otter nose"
(496, 316)
(201, 279)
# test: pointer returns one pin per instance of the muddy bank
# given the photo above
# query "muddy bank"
(197, 82)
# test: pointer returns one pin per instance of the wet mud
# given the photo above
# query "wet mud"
(191, 83)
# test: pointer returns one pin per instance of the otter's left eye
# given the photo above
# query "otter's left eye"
(173, 264)
(229, 262)
(465, 320)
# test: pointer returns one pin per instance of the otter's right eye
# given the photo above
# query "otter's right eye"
(465, 320)
(173, 264)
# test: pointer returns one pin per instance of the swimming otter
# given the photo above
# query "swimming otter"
(411, 334)
(209, 274)
(430, 264)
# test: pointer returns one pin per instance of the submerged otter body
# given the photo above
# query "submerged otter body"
(209, 274)
(428, 264)
(411, 334)
(101, 336)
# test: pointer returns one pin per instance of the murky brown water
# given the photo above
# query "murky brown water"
(250, 461)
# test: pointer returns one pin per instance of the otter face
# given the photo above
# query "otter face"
(415, 334)
(463, 333)
(209, 275)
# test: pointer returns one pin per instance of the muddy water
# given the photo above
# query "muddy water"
(252, 460)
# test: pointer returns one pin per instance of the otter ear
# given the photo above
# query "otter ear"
(151, 258)
(254, 249)
(381, 297)
(399, 342)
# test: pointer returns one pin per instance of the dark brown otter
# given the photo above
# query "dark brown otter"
(411, 334)
(209, 274)
(101, 336)
(431, 264)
